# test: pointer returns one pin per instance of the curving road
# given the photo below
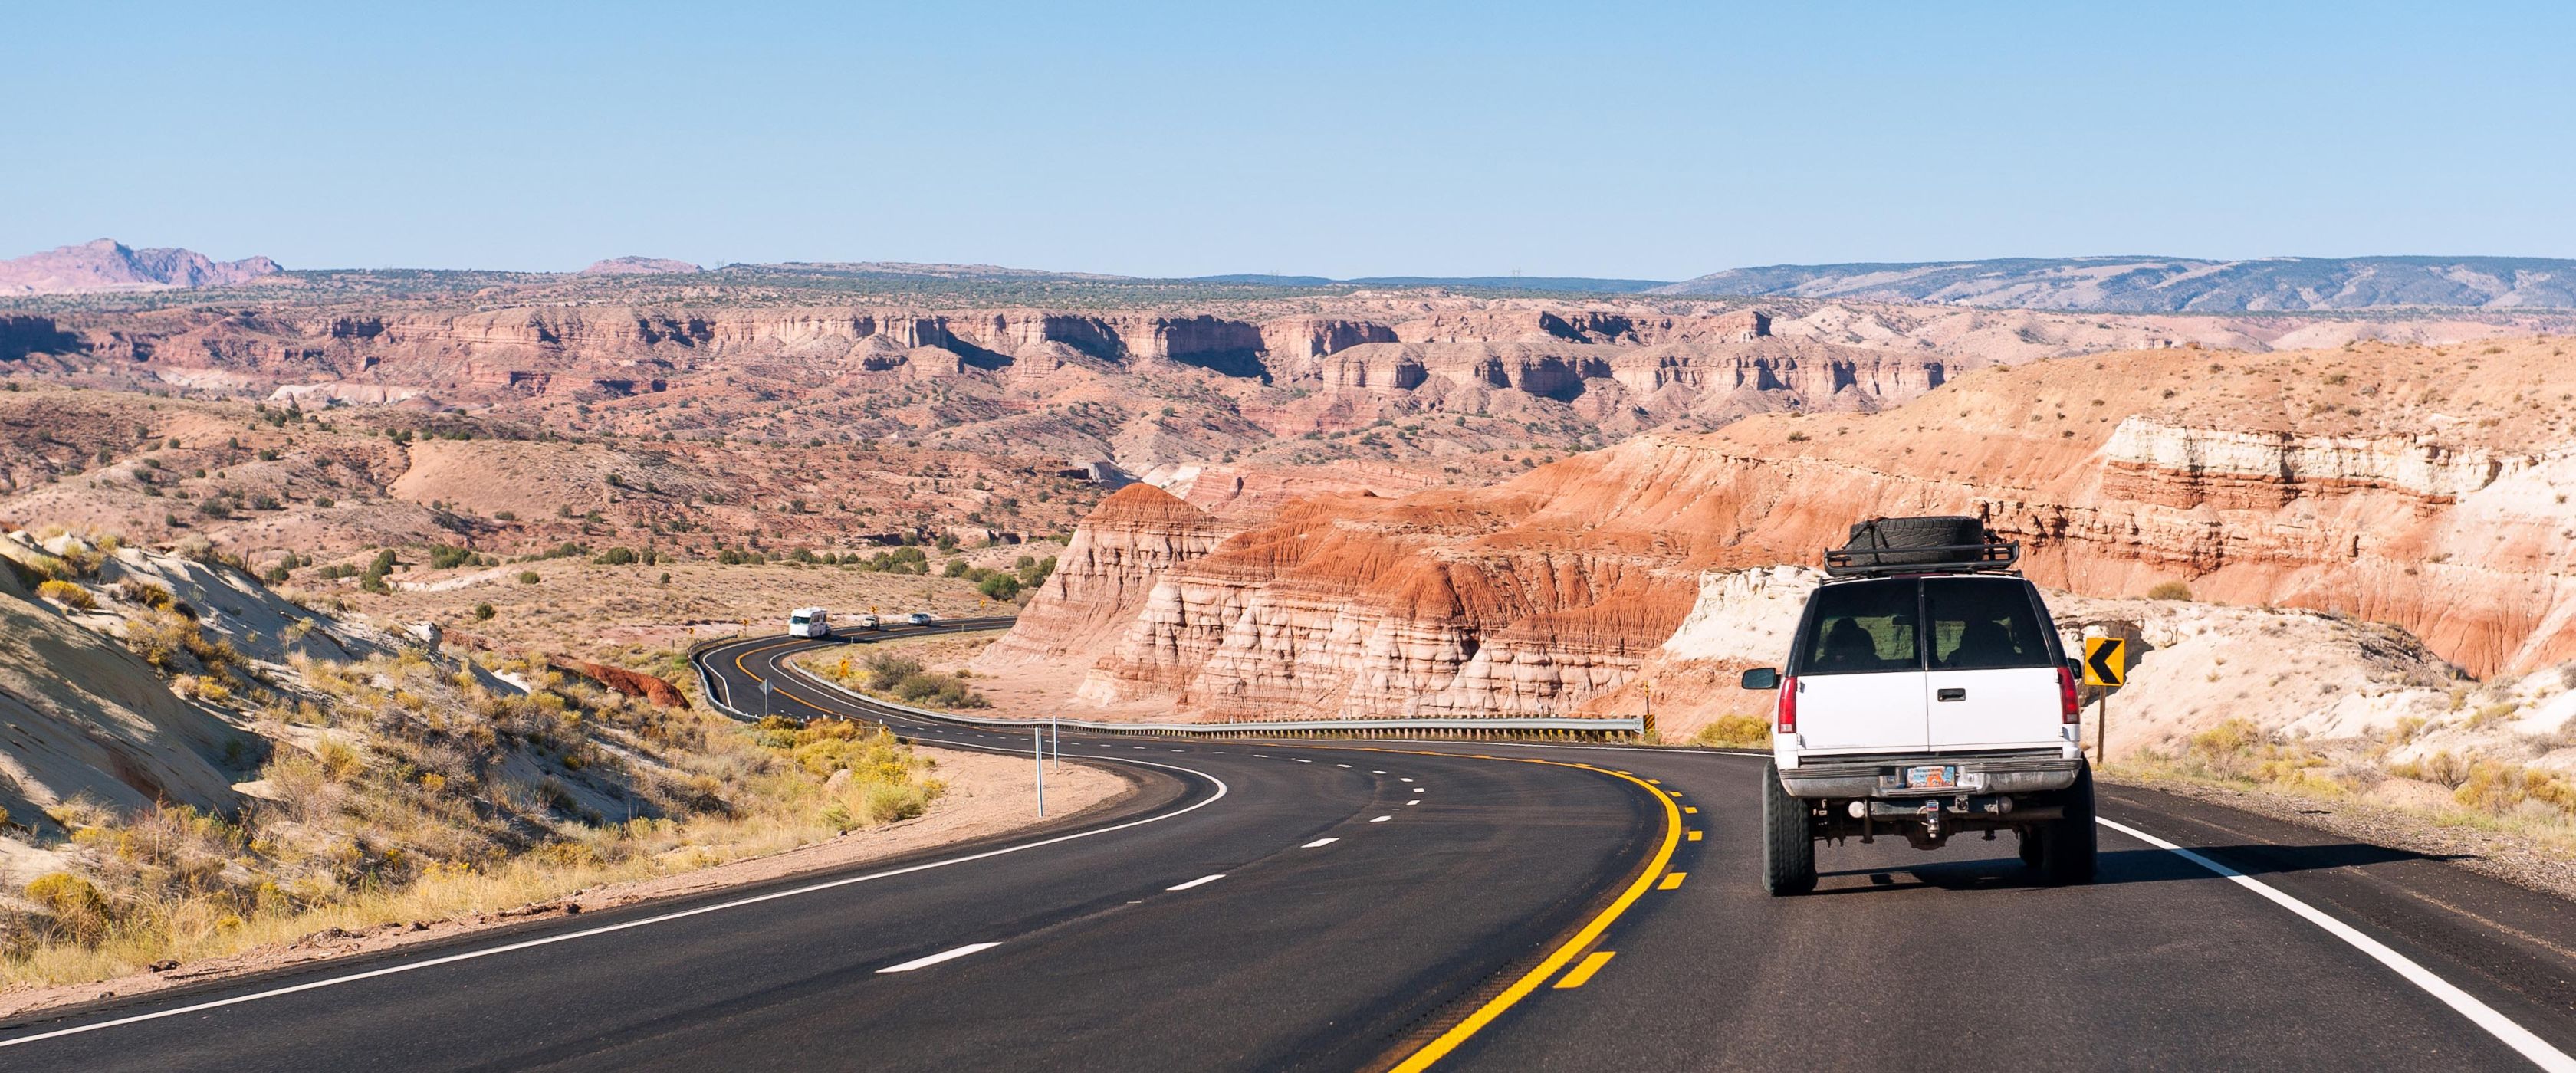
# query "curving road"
(1337, 905)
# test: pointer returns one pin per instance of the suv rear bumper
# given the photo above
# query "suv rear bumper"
(1871, 775)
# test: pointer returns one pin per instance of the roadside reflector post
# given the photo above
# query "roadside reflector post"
(1037, 755)
(1055, 736)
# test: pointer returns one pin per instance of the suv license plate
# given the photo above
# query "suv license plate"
(1938, 777)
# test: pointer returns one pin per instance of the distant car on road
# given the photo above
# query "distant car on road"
(868, 622)
(1927, 695)
(809, 622)
(918, 618)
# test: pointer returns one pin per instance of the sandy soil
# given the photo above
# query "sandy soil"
(987, 794)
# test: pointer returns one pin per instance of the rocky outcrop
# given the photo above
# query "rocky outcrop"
(1551, 591)
(1137, 535)
(632, 683)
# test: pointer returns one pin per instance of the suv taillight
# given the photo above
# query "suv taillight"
(1789, 705)
(2068, 709)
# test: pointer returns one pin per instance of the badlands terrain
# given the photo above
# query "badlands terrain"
(2338, 538)
(2419, 489)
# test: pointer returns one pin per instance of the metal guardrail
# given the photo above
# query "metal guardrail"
(1521, 727)
(1517, 726)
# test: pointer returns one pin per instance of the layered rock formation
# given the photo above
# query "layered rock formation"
(1105, 575)
(2376, 482)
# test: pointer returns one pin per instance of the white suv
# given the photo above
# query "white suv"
(1927, 695)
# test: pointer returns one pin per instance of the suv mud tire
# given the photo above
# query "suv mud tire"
(2067, 846)
(1788, 842)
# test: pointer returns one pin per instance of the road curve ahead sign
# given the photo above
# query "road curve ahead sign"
(2106, 661)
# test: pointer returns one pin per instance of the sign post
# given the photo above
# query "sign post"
(764, 698)
(1037, 755)
(2106, 664)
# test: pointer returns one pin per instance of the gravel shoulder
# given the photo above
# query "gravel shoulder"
(2496, 853)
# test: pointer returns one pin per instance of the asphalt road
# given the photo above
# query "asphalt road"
(1517, 907)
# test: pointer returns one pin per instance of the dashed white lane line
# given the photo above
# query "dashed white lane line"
(1341, 765)
(1264, 756)
(1319, 842)
(1382, 819)
(1377, 773)
(1415, 801)
(1199, 882)
(2479, 1013)
(548, 940)
(1301, 760)
(1401, 779)
(944, 955)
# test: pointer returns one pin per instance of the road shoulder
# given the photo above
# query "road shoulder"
(990, 798)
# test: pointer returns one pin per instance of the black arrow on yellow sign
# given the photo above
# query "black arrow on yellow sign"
(2105, 661)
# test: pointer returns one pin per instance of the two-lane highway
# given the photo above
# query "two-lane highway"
(1259, 906)
(1270, 904)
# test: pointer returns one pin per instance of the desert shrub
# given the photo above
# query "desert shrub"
(483, 612)
(620, 556)
(2169, 590)
(955, 568)
(79, 909)
(2496, 787)
(144, 593)
(528, 577)
(444, 557)
(1735, 732)
(1000, 587)
(68, 595)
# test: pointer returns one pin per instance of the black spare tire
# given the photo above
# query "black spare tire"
(1888, 541)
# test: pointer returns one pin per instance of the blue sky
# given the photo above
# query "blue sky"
(1640, 140)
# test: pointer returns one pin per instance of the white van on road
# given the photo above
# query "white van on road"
(1927, 694)
(809, 622)
(868, 622)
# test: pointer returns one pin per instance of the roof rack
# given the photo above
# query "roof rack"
(1987, 556)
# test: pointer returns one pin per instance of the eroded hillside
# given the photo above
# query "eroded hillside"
(2424, 488)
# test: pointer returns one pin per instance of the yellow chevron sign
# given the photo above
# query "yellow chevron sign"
(2106, 661)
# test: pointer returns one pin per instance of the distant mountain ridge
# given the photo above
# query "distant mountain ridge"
(2167, 284)
(1575, 284)
(109, 265)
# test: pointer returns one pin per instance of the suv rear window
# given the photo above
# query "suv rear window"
(1975, 624)
(1982, 623)
(1860, 626)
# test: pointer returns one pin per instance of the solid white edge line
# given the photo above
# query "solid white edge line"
(389, 970)
(2484, 1016)
(1382, 819)
(1199, 882)
(944, 955)
(1319, 842)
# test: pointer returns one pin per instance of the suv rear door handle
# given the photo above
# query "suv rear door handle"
(1950, 694)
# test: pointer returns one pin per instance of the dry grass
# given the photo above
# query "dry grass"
(2486, 793)
(422, 795)
(1735, 732)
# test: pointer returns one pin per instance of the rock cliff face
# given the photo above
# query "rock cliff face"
(1104, 576)
(2373, 482)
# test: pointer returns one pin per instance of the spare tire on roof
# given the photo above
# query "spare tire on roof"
(1891, 537)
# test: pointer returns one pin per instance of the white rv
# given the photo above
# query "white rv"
(809, 622)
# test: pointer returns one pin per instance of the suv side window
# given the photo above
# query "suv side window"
(1860, 627)
(1982, 624)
